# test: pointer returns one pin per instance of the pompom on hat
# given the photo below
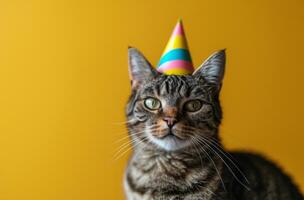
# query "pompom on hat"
(176, 58)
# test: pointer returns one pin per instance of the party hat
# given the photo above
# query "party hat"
(176, 58)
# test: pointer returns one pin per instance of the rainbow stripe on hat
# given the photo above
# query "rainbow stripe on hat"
(176, 58)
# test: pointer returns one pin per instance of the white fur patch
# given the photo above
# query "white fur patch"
(169, 143)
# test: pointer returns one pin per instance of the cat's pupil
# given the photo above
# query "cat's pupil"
(195, 106)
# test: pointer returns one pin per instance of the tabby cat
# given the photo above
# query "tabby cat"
(173, 123)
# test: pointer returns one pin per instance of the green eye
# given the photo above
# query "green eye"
(152, 104)
(193, 105)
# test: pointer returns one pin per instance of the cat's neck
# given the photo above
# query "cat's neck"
(188, 157)
(201, 154)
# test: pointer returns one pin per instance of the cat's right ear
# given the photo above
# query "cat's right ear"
(212, 70)
(140, 69)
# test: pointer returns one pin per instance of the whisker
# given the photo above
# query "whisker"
(128, 136)
(134, 133)
(124, 146)
(139, 142)
(197, 152)
(220, 149)
(231, 171)
(217, 171)
(215, 142)
(123, 122)
(230, 158)
(196, 187)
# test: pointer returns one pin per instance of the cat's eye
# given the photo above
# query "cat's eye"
(193, 105)
(152, 103)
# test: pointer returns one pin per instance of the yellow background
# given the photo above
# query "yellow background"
(64, 83)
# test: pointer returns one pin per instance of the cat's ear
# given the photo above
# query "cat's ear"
(213, 69)
(140, 69)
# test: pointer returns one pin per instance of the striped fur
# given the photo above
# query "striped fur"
(186, 160)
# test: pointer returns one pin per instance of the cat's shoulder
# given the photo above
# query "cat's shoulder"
(263, 172)
(249, 159)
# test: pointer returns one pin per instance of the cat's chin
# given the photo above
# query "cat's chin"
(170, 142)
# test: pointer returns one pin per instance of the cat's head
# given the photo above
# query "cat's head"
(171, 112)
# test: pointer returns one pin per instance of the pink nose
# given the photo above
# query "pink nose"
(170, 121)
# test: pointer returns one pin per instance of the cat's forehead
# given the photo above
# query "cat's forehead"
(174, 85)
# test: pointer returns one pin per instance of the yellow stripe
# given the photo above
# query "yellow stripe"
(177, 72)
(177, 42)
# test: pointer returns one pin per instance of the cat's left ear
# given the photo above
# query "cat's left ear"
(213, 69)
(140, 69)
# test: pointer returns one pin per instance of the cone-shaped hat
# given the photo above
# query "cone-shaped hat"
(176, 58)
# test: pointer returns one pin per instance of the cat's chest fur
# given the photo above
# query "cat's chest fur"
(152, 175)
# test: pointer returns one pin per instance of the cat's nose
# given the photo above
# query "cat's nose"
(170, 121)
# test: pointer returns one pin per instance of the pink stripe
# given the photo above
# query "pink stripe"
(178, 30)
(176, 64)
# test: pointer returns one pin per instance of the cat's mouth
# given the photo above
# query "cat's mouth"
(171, 134)
(170, 141)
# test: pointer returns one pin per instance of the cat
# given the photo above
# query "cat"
(173, 123)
